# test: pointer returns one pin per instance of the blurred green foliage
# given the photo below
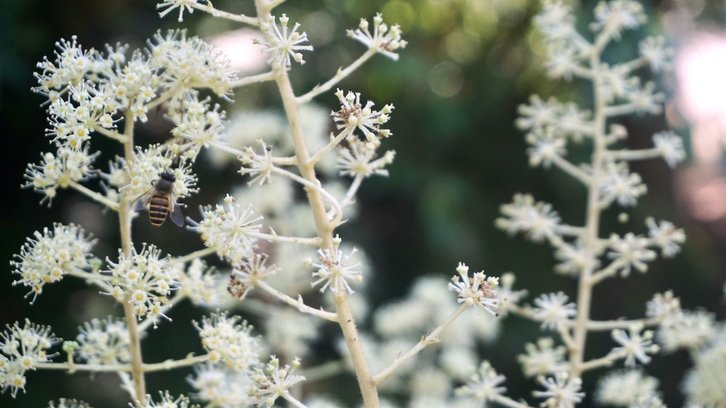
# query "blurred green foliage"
(456, 89)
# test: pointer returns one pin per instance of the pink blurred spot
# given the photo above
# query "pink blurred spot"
(244, 55)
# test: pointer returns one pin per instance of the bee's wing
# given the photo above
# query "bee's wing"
(176, 214)
(143, 200)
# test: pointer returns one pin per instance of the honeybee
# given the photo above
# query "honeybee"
(161, 202)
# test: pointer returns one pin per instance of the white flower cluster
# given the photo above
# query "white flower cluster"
(197, 122)
(384, 39)
(68, 403)
(272, 381)
(229, 341)
(230, 229)
(138, 177)
(623, 388)
(200, 285)
(219, 386)
(104, 342)
(50, 255)
(543, 358)
(354, 115)
(523, 214)
(634, 345)
(143, 279)
(484, 384)
(21, 349)
(168, 401)
(553, 310)
(704, 383)
(246, 275)
(335, 269)
(258, 167)
(282, 46)
(59, 170)
(477, 289)
(560, 391)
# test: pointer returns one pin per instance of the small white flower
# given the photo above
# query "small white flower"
(484, 384)
(168, 401)
(384, 39)
(620, 185)
(245, 276)
(477, 289)
(645, 99)
(258, 167)
(560, 391)
(562, 61)
(104, 342)
(538, 114)
(634, 345)
(617, 15)
(631, 251)
(663, 306)
(354, 115)
(704, 384)
(666, 236)
(556, 21)
(690, 330)
(143, 279)
(228, 340)
(623, 388)
(50, 255)
(537, 219)
(553, 310)
(670, 146)
(655, 51)
(273, 381)
(68, 403)
(196, 120)
(545, 148)
(574, 259)
(199, 284)
(507, 297)
(230, 229)
(543, 358)
(21, 348)
(334, 270)
(221, 387)
(141, 174)
(281, 46)
(358, 159)
(182, 5)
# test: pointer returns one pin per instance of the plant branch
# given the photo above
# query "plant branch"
(572, 170)
(641, 154)
(297, 303)
(253, 79)
(110, 134)
(100, 198)
(339, 76)
(240, 18)
(431, 338)
(334, 141)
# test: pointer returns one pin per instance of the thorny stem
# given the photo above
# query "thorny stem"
(124, 216)
(431, 338)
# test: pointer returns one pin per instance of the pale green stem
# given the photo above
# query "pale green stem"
(240, 18)
(335, 141)
(253, 79)
(297, 303)
(652, 153)
(125, 214)
(294, 402)
(110, 134)
(100, 198)
(201, 253)
(339, 76)
(431, 338)
(572, 170)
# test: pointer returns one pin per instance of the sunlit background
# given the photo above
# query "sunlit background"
(469, 64)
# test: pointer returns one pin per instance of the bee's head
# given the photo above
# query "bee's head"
(167, 176)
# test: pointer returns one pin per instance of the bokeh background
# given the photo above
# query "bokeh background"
(456, 89)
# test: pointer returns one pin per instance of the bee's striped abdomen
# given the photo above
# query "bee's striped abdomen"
(158, 209)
